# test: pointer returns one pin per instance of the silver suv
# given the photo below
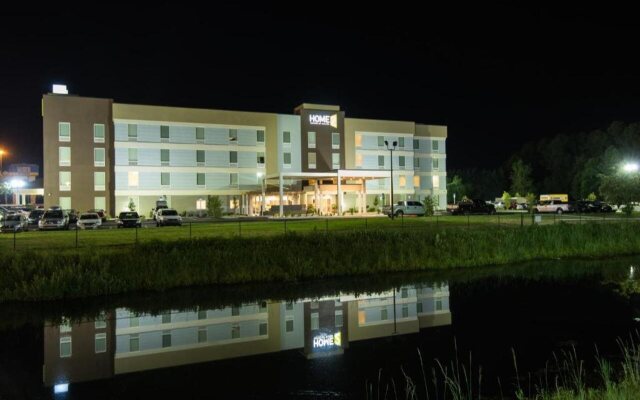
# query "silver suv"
(406, 208)
(168, 216)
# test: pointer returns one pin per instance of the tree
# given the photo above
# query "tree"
(455, 186)
(429, 205)
(521, 181)
(506, 199)
(531, 199)
(5, 190)
(214, 206)
(621, 190)
(132, 205)
(592, 197)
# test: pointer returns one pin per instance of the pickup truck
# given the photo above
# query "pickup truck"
(406, 208)
(552, 206)
(474, 206)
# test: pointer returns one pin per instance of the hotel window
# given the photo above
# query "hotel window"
(416, 144)
(358, 160)
(260, 137)
(164, 133)
(416, 181)
(200, 157)
(286, 137)
(338, 319)
(404, 293)
(65, 326)
(65, 180)
(98, 133)
(233, 136)
(134, 342)
(315, 321)
(434, 145)
(235, 331)
(165, 157)
(289, 306)
(435, 180)
(401, 142)
(233, 180)
(133, 156)
(235, 311)
(260, 159)
(384, 314)
(100, 322)
(286, 160)
(405, 311)
(380, 162)
(199, 135)
(132, 132)
(165, 178)
(419, 307)
(416, 163)
(358, 140)
(134, 321)
(438, 305)
(262, 330)
(101, 342)
(202, 314)
(263, 307)
(65, 346)
(335, 140)
(401, 162)
(233, 158)
(312, 160)
(166, 318)
(311, 140)
(200, 179)
(288, 324)
(202, 335)
(64, 156)
(99, 181)
(64, 131)
(65, 203)
(380, 141)
(435, 164)
(335, 160)
(100, 203)
(134, 178)
(166, 339)
(402, 181)
(98, 157)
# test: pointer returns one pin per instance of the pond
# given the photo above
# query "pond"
(349, 338)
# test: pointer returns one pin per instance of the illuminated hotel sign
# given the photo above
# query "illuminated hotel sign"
(320, 119)
(324, 341)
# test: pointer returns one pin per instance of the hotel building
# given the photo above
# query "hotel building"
(105, 155)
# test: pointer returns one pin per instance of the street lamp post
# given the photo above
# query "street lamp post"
(391, 146)
(1, 154)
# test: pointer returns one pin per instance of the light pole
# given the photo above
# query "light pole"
(1, 154)
(260, 175)
(391, 146)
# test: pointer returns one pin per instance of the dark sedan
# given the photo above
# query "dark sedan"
(129, 219)
(473, 207)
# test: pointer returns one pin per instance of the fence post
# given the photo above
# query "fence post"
(285, 226)
(521, 220)
(402, 221)
(365, 224)
(554, 218)
(436, 220)
(498, 219)
(76, 236)
(239, 228)
(468, 222)
(136, 235)
(326, 225)
(14, 239)
(190, 222)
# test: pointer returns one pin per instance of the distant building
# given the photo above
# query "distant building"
(101, 154)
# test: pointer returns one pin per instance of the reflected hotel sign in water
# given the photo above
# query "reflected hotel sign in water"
(122, 340)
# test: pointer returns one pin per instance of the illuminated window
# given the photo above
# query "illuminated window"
(286, 160)
(65, 203)
(435, 181)
(133, 177)
(98, 157)
(101, 342)
(99, 181)
(201, 204)
(65, 346)
(362, 317)
(311, 140)
(416, 181)
(98, 133)
(358, 160)
(165, 178)
(402, 181)
(335, 160)
(65, 180)
(338, 318)
(100, 203)
(64, 131)
(335, 140)
(312, 160)
(358, 140)
(64, 156)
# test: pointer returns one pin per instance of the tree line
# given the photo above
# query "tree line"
(582, 165)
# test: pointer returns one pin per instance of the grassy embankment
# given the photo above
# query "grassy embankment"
(88, 271)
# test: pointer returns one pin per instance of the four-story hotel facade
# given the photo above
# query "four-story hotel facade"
(99, 154)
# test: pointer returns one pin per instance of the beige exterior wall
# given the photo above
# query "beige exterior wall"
(353, 125)
(431, 130)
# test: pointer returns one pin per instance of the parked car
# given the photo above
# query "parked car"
(34, 217)
(89, 220)
(129, 219)
(54, 219)
(587, 206)
(15, 222)
(553, 206)
(168, 216)
(475, 206)
(406, 208)
(101, 214)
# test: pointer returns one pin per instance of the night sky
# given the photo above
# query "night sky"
(498, 75)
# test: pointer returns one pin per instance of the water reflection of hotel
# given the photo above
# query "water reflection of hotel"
(121, 341)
